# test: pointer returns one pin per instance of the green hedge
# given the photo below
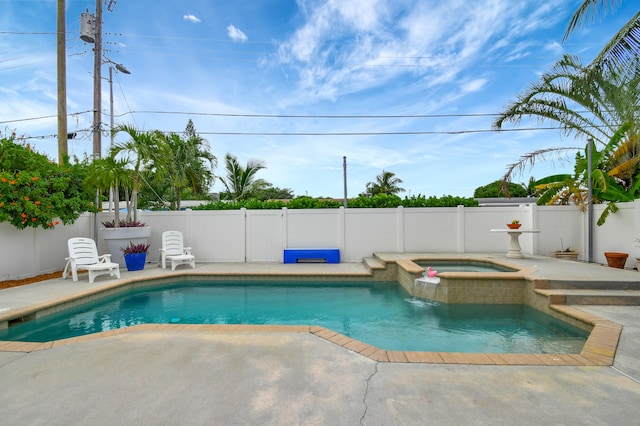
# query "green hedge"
(376, 201)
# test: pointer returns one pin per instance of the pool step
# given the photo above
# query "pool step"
(591, 297)
(594, 285)
(374, 263)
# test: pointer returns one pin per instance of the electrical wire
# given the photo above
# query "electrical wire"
(43, 117)
(215, 114)
(399, 133)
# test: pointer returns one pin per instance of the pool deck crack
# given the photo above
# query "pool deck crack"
(366, 392)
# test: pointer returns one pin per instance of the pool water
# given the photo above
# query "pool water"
(460, 266)
(380, 314)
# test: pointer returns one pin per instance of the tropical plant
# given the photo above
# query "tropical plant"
(593, 105)
(110, 174)
(386, 183)
(148, 151)
(123, 224)
(135, 248)
(35, 191)
(620, 54)
(240, 182)
(610, 184)
(190, 164)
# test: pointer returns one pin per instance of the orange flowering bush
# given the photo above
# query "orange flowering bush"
(36, 192)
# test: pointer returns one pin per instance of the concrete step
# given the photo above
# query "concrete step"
(595, 285)
(374, 263)
(592, 297)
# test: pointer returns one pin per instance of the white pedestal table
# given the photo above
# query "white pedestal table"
(515, 252)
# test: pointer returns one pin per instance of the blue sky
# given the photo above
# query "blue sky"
(220, 63)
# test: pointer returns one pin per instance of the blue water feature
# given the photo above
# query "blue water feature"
(381, 314)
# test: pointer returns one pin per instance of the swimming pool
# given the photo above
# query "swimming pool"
(381, 314)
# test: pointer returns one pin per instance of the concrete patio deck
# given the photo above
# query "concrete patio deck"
(152, 375)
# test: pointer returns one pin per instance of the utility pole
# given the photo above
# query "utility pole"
(62, 82)
(590, 200)
(97, 82)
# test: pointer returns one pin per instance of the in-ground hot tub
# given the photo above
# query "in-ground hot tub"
(465, 280)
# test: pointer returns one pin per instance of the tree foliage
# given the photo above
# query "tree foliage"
(189, 165)
(620, 54)
(240, 182)
(496, 190)
(143, 151)
(609, 185)
(270, 192)
(36, 192)
(385, 183)
(593, 103)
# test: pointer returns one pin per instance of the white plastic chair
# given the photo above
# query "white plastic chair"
(83, 254)
(173, 250)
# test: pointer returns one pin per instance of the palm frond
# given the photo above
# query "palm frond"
(621, 53)
(588, 10)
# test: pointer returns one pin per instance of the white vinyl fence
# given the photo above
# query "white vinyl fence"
(262, 235)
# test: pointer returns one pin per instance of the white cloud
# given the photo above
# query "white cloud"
(191, 18)
(347, 47)
(473, 85)
(555, 48)
(236, 34)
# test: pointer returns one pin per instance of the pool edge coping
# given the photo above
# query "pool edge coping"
(598, 350)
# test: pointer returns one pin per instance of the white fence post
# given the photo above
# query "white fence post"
(285, 227)
(245, 235)
(400, 229)
(343, 239)
(460, 229)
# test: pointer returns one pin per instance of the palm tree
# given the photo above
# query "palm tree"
(240, 182)
(585, 103)
(149, 151)
(386, 183)
(621, 52)
(188, 165)
(109, 173)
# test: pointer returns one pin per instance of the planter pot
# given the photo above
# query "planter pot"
(514, 225)
(616, 260)
(135, 261)
(117, 239)
(567, 255)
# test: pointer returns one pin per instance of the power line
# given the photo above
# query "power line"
(43, 117)
(399, 133)
(33, 33)
(215, 114)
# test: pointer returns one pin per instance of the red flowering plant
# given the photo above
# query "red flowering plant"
(36, 192)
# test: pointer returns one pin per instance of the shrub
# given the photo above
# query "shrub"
(36, 192)
(377, 201)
